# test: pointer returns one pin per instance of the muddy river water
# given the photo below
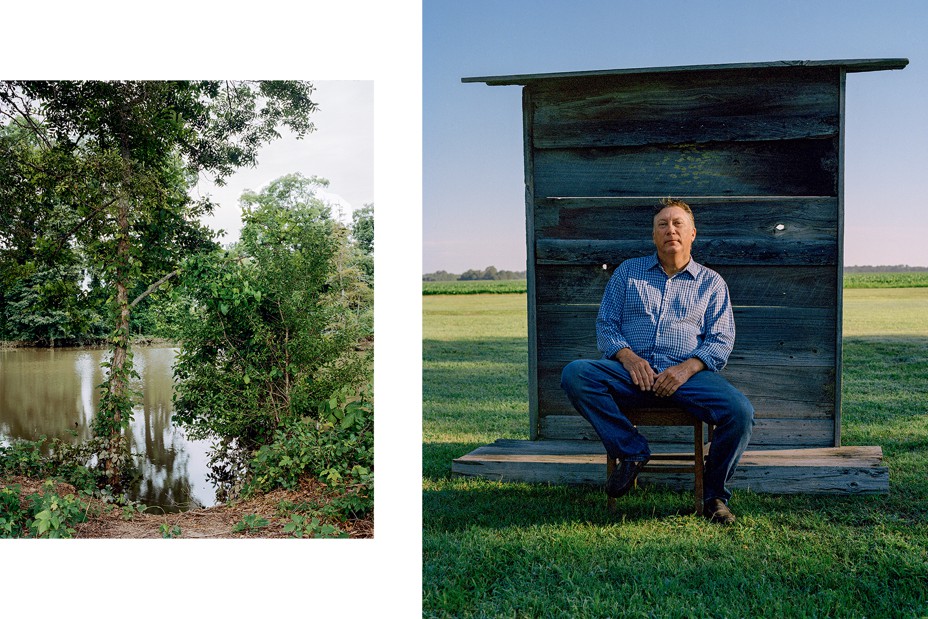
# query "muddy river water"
(54, 392)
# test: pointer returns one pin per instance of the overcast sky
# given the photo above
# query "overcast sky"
(341, 149)
(473, 193)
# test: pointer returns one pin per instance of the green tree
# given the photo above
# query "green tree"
(41, 298)
(274, 323)
(362, 231)
(440, 276)
(120, 155)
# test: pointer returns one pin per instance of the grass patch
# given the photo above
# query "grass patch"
(881, 313)
(499, 286)
(522, 550)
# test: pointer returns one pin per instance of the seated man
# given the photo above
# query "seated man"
(665, 328)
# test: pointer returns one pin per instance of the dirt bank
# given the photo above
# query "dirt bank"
(108, 521)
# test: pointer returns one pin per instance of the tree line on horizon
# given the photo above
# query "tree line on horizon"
(492, 273)
(489, 273)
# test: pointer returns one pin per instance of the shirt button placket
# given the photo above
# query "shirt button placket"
(660, 319)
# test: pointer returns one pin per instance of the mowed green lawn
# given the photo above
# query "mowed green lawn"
(521, 550)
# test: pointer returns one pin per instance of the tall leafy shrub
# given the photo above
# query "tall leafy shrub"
(274, 324)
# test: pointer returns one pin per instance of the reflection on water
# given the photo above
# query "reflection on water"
(54, 393)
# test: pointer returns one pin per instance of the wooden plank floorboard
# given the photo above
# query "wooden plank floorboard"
(829, 470)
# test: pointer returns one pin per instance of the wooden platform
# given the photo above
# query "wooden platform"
(825, 470)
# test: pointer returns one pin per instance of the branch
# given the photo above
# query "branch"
(153, 288)
(24, 114)
(86, 219)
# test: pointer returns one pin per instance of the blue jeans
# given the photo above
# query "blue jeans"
(598, 388)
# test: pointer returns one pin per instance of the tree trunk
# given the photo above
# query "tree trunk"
(120, 364)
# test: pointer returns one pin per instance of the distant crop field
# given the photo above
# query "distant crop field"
(499, 286)
(917, 279)
(911, 279)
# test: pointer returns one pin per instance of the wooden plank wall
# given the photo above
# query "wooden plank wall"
(757, 156)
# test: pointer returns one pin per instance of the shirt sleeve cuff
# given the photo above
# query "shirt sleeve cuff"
(610, 352)
(712, 364)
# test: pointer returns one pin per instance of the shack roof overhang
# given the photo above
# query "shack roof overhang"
(850, 66)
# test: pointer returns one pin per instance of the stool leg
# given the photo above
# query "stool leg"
(699, 465)
(610, 466)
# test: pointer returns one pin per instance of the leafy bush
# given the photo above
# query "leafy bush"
(12, 513)
(275, 343)
(42, 514)
(251, 522)
(56, 459)
(54, 515)
(337, 448)
(311, 526)
(274, 324)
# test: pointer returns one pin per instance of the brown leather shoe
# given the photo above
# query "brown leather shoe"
(716, 511)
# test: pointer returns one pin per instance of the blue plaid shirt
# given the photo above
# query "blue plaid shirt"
(666, 320)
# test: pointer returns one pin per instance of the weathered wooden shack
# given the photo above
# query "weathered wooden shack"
(757, 150)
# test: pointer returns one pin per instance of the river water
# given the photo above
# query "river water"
(53, 392)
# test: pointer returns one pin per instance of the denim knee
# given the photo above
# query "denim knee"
(742, 414)
(572, 374)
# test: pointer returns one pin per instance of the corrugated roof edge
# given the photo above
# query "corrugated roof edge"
(851, 66)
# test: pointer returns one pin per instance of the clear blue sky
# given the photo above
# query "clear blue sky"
(473, 197)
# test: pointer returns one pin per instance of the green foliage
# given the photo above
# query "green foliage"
(117, 158)
(362, 233)
(46, 304)
(489, 274)
(130, 510)
(169, 532)
(250, 523)
(23, 457)
(44, 514)
(904, 279)
(513, 286)
(12, 513)
(273, 327)
(54, 515)
(51, 459)
(311, 526)
(341, 453)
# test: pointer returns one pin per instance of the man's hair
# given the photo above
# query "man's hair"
(668, 202)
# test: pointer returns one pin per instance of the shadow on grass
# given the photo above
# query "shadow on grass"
(452, 503)
(884, 403)
(466, 503)
(437, 457)
(461, 504)
(474, 370)
(506, 349)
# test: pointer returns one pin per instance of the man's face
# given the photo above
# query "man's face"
(674, 232)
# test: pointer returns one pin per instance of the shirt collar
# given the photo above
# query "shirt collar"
(692, 267)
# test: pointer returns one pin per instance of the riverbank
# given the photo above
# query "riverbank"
(139, 340)
(273, 511)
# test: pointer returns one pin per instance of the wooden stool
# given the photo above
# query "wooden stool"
(670, 417)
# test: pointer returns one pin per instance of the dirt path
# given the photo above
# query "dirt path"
(109, 521)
